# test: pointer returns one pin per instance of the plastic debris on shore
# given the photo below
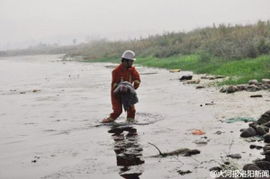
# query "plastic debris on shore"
(174, 70)
(198, 132)
(239, 119)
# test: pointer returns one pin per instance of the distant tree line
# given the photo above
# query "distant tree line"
(44, 49)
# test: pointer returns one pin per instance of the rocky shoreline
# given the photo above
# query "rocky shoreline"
(257, 131)
(206, 80)
(260, 130)
(253, 85)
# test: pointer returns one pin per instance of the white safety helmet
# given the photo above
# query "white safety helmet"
(129, 54)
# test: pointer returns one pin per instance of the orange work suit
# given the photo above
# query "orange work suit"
(120, 73)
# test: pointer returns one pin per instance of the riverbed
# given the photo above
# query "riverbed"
(50, 113)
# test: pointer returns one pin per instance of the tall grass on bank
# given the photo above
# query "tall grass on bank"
(242, 71)
(238, 71)
(229, 42)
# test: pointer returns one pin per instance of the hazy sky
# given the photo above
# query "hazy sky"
(28, 22)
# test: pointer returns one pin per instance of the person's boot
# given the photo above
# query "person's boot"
(130, 119)
(107, 120)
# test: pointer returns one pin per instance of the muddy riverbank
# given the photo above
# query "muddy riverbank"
(50, 113)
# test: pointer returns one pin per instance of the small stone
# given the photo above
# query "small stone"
(201, 141)
(267, 124)
(264, 118)
(251, 166)
(199, 87)
(184, 172)
(218, 132)
(235, 156)
(252, 88)
(266, 81)
(231, 89)
(266, 153)
(186, 77)
(219, 77)
(264, 165)
(259, 147)
(253, 125)
(241, 87)
(256, 96)
(266, 138)
(267, 158)
(265, 86)
(266, 147)
(215, 169)
(223, 90)
(249, 132)
(35, 90)
(253, 82)
(261, 130)
(252, 146)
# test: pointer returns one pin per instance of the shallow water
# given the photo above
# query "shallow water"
(50, 111)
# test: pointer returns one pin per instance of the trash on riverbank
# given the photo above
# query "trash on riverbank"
(197, 132)
(182, 151)
(174, 70)
(240, 119)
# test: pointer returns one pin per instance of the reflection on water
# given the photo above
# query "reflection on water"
(128, 151)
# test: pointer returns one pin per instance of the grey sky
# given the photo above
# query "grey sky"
(28, 22)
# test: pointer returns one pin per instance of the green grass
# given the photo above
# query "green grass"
(238, 71)
(103, 60)
(242, 71)
(182, 62)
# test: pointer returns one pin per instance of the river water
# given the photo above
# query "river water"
(50, 111)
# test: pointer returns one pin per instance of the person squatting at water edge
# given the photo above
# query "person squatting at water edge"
(125, 79)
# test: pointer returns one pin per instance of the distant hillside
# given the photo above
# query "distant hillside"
(225, 41)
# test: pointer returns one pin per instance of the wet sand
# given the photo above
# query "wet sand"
(50, 111)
